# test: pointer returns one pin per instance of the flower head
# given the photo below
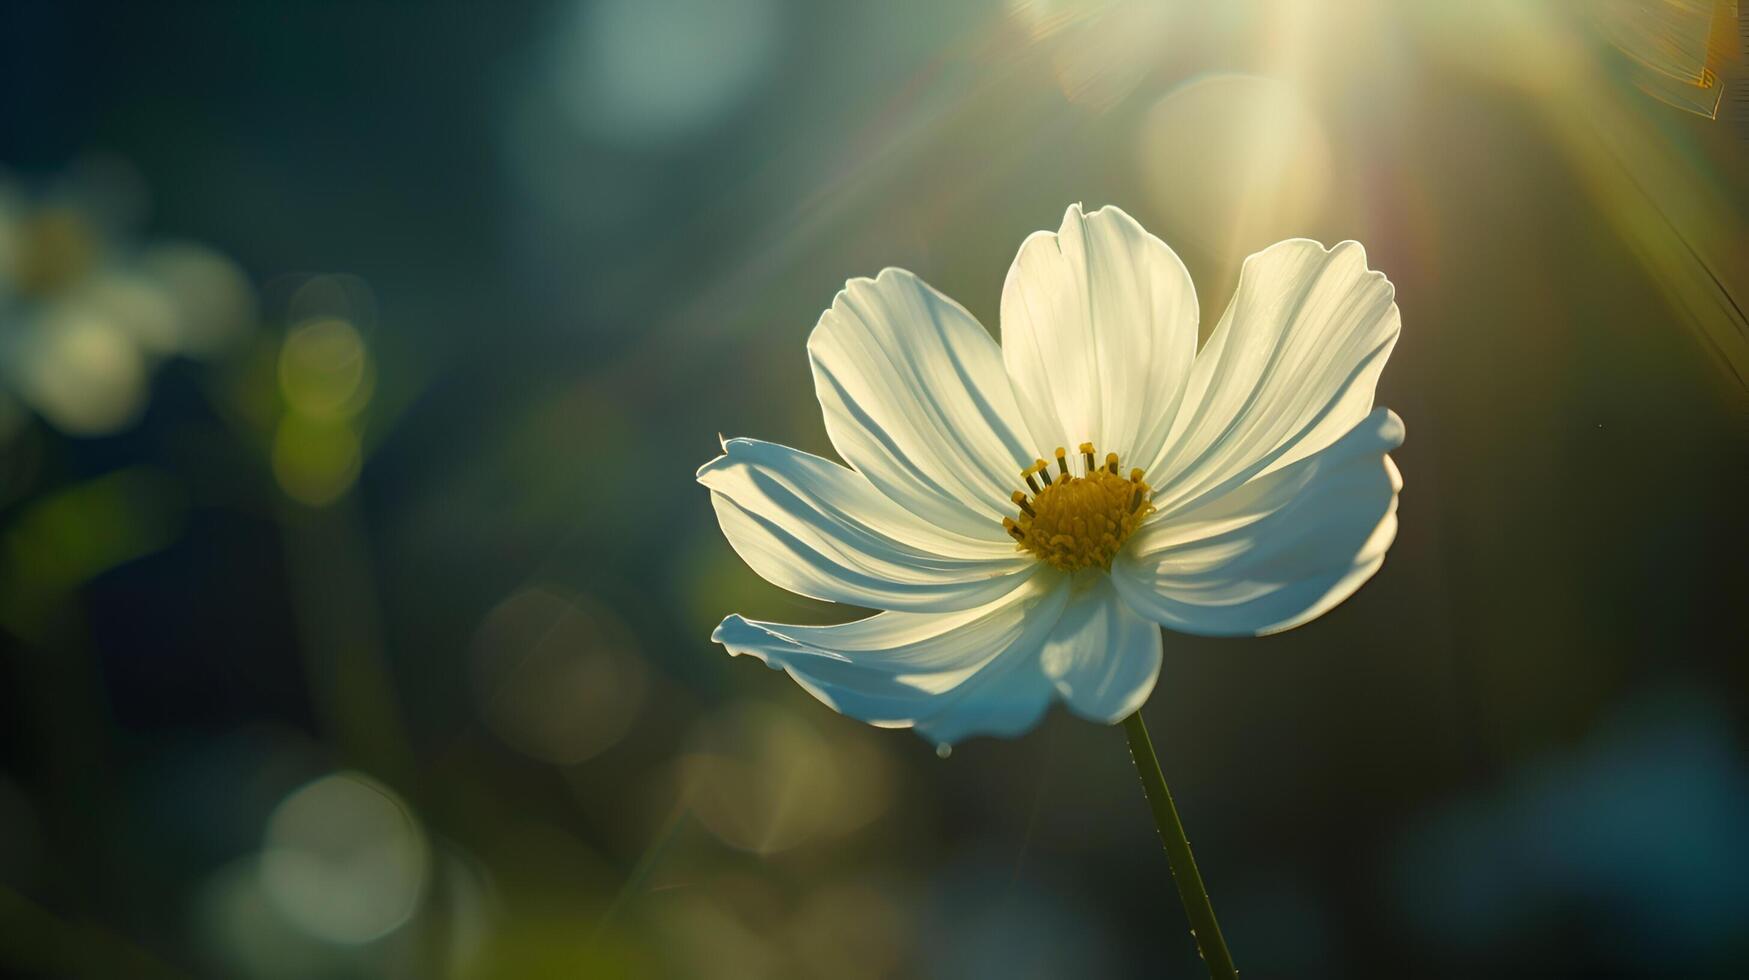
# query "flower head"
(1029, 515)
(86, 314)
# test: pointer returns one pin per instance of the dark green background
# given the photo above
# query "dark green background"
(1518, 751)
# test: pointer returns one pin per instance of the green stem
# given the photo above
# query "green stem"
(1203, 928)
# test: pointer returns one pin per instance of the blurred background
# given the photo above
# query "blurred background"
(355, 360)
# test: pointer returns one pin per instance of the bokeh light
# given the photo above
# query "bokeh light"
(214, 303)
(315, 460)
(853, 929)
(139, 305)
(357, 591)
(557, 677)
(327, 378)
(325, 371)
(763, 779)
(651, 71)
(245, 932)
(79, 369)
(344, 859)
(87, 313)
(1642, 819)
(722, 932)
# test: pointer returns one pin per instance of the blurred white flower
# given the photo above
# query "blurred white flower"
(1675, 48)
(85, 315)
(1244, 489)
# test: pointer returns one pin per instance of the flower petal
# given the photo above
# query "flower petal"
(77, 367)
(1098, 333)
(1277, 552)
(1291, 367)
(916, 400)
(947, 675)
(811, 526)
(1103, 658)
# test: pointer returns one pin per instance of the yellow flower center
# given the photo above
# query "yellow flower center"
(59, 248)
(1075, 522)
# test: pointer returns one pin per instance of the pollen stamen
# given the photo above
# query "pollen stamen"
(1075, 522)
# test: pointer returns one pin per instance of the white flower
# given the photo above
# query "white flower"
(85, 316)
(1237, 490)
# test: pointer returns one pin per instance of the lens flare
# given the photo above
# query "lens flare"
(1235, 162)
